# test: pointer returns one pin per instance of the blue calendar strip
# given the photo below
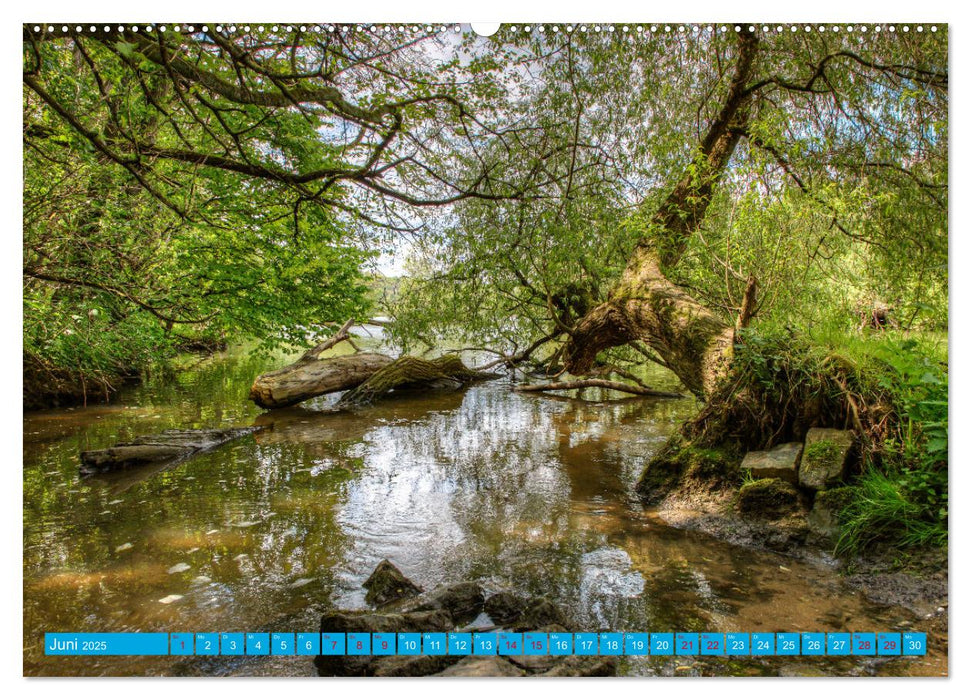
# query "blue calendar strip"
(487, 644)
(109, 644)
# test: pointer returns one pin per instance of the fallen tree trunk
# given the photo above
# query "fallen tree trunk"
(410, 371)
(309, 377)
(170, 446)
(599, 383)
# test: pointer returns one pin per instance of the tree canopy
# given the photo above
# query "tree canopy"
(230, 182)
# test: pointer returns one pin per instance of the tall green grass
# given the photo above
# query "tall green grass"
(899, 381)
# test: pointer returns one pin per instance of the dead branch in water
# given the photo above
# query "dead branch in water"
(338, 337)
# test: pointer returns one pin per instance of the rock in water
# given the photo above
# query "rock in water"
(824, 457)
(541, 614)
(387, 584)
(781, 462)
(505, 607)
(463, 601)
(167, 446)
(410, 666)
(364, 621)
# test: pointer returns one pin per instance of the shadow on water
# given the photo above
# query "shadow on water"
(518, 491)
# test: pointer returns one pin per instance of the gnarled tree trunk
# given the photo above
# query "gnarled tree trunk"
(692, 340)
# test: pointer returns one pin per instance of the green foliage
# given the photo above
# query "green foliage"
(883, 508)
(74, 348)
(898, 383)
(814, 204)
(125, 266)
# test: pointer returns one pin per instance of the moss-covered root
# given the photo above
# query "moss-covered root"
(681, 465)
(411, 371)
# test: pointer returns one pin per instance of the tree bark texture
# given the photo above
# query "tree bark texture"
(309, 377)
(693, 341)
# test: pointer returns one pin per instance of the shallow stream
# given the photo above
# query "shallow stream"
(526, 492)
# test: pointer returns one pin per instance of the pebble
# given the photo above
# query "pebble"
(179, 568)
(201, 579)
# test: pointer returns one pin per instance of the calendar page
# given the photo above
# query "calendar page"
(523, 349)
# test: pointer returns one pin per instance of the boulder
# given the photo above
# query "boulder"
(387, 584)
(366, 621)
(781, 462)
(768, 498)
(824, 457)
(168, 446)
(535, 664)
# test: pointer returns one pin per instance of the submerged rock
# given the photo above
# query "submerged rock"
(540, 613)
(387, 584)
(462, 601)
(781, 462)
(366, 621)
(768, 498)
(505, 607)
(447, 609)
(825, 457)
(167, 446)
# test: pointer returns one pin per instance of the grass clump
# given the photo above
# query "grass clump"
(888, 508)
(891, 388)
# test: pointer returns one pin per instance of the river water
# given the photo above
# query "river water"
(524, 492)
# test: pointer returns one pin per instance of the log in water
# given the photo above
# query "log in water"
(309, 377)
(167, 446)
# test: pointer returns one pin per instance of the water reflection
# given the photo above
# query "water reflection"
(524, 492)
